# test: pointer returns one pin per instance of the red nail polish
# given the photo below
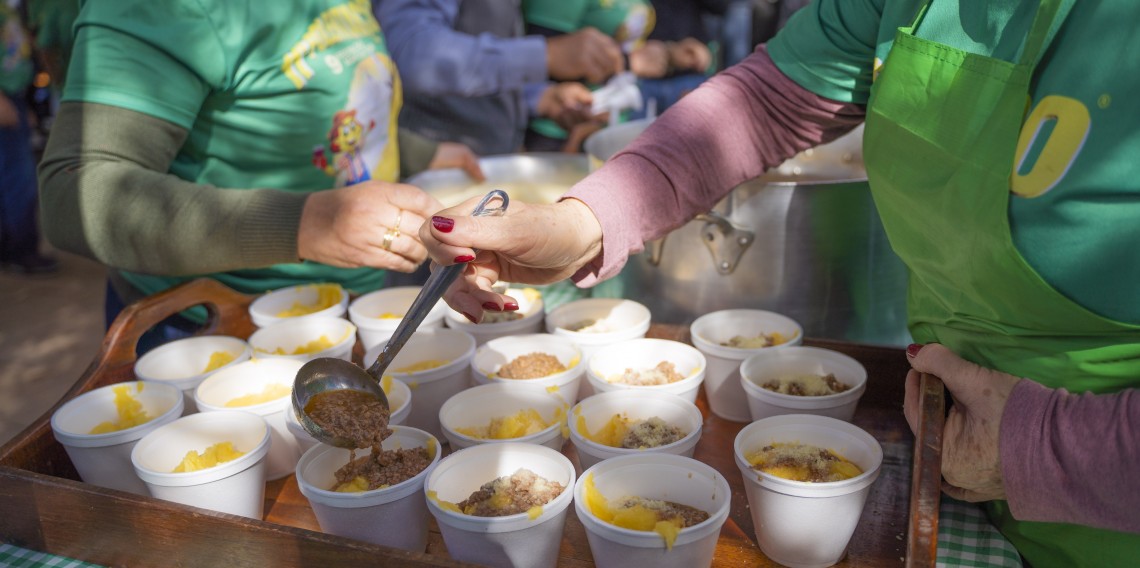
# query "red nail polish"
(470, 317)
(463, 258)
(492, 306)
(511, 307)
(443, 224)
(913, 349)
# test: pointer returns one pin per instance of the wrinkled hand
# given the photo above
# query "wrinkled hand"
(971, 462)
(456, 155)
(650, 61)
(346, 226)
(530, 244)
(585, 54)
(689, 54)
(568, 104)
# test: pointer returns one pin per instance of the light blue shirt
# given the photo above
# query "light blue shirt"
(436, 60)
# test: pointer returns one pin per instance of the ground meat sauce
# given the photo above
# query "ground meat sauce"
(511, 495)
(361, 418)
(531, 366)
(807, 385)
(350, 414)
(664, 373)
(803, 462)
(384, 467)
(751, 342)
(666, 510)
(651, 433)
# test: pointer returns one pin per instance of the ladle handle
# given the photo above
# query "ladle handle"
(431, 292)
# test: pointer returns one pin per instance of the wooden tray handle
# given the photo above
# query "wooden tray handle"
(926, 475)
(227, 312)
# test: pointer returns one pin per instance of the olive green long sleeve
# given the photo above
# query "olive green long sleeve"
(105, 194)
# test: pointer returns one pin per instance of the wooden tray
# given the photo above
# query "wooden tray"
(46, 508)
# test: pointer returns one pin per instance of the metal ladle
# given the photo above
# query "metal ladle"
(329, 373)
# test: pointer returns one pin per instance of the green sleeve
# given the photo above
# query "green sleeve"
(828, 48)
(561, 16)
(416, 152)
(105, 195)
(127, 54)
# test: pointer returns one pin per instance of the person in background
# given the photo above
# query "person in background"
(1002, 163)
(255, 143)
(630, 23)
(19, 231)
(51, 23)
(471, 76)
(680, 31)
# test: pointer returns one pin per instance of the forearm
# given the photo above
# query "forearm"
(1072, 458)
(105, 194)
(436, 60)
(698, 151)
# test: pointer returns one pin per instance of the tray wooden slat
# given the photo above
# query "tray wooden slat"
(46, 508)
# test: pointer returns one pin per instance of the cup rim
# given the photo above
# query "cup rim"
(690, 382)
(550, 509)
(705, 345)
(821, 401)
(826, 488)
(579, 440)
(257, 306)
(715, 518)
(344, 344)
(561, 343)
(261, 409)
(189, 381)
(365, 322)
(639, 327)
(428, 375)
(137, 432)
(358, 499)
(538, 392)
(220, 471)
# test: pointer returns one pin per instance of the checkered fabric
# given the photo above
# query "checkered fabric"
(967, 538)
(12, 556)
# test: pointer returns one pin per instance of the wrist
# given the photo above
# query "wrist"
(586, 226)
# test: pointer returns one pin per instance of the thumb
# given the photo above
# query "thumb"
(956, 373)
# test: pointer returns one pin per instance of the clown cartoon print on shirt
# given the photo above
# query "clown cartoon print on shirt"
(342, 53)
(361, 137)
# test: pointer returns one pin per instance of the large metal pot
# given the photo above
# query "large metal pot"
(804, 240)
(537, 177)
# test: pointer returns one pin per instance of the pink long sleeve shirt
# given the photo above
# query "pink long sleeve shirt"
(1065, 458)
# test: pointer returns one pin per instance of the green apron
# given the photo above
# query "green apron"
(941, 132)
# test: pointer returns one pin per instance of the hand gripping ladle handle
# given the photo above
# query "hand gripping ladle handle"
(431, 292)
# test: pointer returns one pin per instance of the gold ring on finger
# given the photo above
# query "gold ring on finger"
(389, 236)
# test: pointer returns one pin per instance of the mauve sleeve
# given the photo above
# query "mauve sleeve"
(1072, 458)
(735, 126)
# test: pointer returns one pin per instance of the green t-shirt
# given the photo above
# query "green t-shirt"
(299, 96)
(627, 21)
(16, 54)
(1075, 227)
